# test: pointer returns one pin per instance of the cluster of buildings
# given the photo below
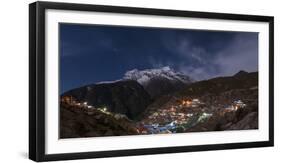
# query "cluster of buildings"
(168, 120)
(192, 103)
(174, 126)
(69, 101)
(236, 105)
(156, 128)
(184, 113)
(181, 111)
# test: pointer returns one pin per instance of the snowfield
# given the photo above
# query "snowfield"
(144, 76)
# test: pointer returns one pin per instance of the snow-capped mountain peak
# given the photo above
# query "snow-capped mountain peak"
(144, 76)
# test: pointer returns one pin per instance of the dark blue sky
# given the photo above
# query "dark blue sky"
(95, 53)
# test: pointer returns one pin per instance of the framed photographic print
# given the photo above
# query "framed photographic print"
(118, 81)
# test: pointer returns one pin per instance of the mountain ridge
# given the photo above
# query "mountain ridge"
(159, 81)
(143, 76)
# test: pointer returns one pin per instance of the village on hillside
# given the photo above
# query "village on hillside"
(180, 116)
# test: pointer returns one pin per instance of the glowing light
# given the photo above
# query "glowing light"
(172, 109)
(204, 116)
(195, 100)
(186, 102)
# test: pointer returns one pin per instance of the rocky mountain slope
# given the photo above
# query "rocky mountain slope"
(241, 80)
(126, 97)
(82, 122)
(160, 81)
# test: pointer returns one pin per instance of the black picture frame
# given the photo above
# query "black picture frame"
(37, 80)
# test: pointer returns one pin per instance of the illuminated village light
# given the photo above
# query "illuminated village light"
(186, 102)
(236, 105)
(104, 110)
(204, 116)
(172, 109)
(196, 100)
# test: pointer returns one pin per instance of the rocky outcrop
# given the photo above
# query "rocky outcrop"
(250, 121)
(160, 86)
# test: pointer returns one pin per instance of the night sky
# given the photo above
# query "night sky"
(95, 53)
